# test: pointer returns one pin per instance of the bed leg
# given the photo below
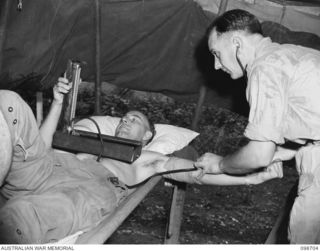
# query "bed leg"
(176, 211)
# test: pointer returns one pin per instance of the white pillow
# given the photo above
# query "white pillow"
(167, 140)
(107, 124)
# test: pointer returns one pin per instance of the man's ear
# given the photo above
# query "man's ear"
(237, 41)
(147, 135)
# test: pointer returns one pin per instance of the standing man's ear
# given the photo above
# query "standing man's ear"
(237, 48)
(236, 40)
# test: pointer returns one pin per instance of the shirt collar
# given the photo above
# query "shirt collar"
(264, 42)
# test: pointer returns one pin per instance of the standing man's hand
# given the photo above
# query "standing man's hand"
(209, 162)
(61, 88)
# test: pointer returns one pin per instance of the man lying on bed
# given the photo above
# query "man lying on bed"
(136, 126)
(52, 195)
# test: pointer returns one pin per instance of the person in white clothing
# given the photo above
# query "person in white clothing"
(283, 92)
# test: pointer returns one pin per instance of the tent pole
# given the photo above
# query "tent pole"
(202, 95)
(4, 6)
(97, 109)
(179, 190)
(203, 89)
(223, 6)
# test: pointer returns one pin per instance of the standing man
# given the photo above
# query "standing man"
(283, 92)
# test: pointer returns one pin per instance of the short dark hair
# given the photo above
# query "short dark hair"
(234, 20)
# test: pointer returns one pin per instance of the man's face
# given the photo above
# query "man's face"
(224, 52)
(134, 125)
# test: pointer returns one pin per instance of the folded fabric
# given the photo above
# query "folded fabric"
(167, 140)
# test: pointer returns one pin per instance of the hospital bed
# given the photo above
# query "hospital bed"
(98, 234)
(101, 232)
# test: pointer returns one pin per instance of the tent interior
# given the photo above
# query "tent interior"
(146, 45)
(157, 46)
(140, 41)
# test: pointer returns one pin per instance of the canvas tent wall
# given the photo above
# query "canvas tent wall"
(153, 45)
(295, 15)
(145, 45)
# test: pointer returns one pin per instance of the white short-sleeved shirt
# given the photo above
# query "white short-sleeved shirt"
(284, 93)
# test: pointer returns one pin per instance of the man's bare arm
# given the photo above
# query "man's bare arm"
(49, 126)
(284, 154)
(271, 172)
(5, 149)
(151, 163)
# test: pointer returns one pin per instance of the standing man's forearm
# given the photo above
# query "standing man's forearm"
(254, 155)
(248, 158)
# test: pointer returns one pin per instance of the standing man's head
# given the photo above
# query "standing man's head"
(136, 126)
(232, 40)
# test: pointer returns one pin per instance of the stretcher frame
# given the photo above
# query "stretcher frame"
(99, 234)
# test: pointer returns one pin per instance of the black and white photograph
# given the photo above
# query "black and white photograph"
(159, 124)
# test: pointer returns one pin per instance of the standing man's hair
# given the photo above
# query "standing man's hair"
(236, 20)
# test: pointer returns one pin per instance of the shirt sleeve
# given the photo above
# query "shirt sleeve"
(266, 97)
(26, 139)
